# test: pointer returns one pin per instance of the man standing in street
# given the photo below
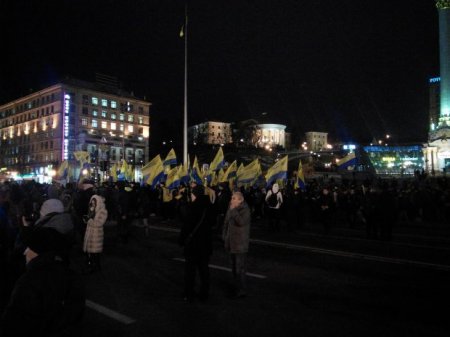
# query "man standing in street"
(236, 236)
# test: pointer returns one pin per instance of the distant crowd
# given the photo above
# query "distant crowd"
(41, 223)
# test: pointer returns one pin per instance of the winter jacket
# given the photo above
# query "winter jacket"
(48, 300)
(236, 229)
(93, 238)
(201, 242)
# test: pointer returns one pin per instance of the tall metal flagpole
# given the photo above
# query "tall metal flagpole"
(185, 123)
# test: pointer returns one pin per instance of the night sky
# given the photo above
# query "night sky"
(356, 69)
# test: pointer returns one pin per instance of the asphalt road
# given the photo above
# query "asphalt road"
(302, 284)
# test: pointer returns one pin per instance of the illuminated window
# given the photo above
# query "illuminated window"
(140, 120)
(130, 128)
(104, 114)
(104, 125)
(94, 100)
(113, 116)
(113, 104)
(113, 126)
(94, 123)
(131, 118)
(95, 113)
(105, 103)
(121, 127)
(122, 117)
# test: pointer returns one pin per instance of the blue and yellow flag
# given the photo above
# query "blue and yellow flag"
(348, 162)
(196, 174)
(148, 168)
(218, 161)
(156, 174)
(171, 158)
(278, 171)
(173, 179)
(300, 179)
(129, 174)
(230, 173)
(183, 173)
(249, 173)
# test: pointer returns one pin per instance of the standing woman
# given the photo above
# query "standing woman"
(236, 237)
(93, 238)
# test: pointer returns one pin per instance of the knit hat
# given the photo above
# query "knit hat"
(52, 206)
(45, 240)
(198, 190)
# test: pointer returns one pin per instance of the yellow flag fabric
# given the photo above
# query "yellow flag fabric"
(218, 161)
(249, 173)
(146, 170)
(63, 170)
(277, 171)
(173, 179)
(81, 156)
(171, 158)
(300, 179)
(113, 172)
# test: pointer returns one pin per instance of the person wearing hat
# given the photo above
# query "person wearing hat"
(93, 238)
(196, 238)
(49, 298)
(52, 215)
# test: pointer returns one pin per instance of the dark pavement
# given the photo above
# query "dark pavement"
(305, 283)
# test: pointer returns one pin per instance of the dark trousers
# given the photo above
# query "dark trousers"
(239, 269)
(194, 264)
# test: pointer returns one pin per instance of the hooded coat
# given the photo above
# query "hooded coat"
(93, 238)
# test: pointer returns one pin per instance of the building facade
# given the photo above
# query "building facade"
(211, 133)
(316, 141)
(40, 130)
(271, 135)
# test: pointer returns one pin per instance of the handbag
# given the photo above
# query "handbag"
(191, 234)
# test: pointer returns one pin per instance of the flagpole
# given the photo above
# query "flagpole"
(185, 123)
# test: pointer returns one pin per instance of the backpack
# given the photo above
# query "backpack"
(272, 201)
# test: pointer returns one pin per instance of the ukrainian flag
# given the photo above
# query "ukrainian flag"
(196, 174)
(348, 162)
(156, 174)
(147, 169)
(113, 172)
(171, 158)
(300, 179)
(249, 173)
(183, 173)
(217, 162)
(277, 171)
(230, 173)
(173, 179)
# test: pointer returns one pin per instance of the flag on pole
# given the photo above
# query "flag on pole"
(348, 162)
(173, 179)
(63, 170)
(148, 168)
(196, 174)
(113, 172)
(277, 171)
(156, 174)
(218, 161)
(249, 173)
(230, 173)
(300, 179)
(171, 158)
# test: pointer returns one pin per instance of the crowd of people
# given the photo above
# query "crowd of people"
(40, 224)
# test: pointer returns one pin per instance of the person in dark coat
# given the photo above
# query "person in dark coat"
(196, 238)
(49, 298)
(236, 237)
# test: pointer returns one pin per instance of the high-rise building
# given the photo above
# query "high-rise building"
(40, 130)
(435, 103)
(437, 150)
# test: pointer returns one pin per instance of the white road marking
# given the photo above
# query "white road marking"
(223, 268)
(353, 255)
(110, 313)
(340, 253)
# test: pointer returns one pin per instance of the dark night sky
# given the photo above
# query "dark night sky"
(356, 69)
